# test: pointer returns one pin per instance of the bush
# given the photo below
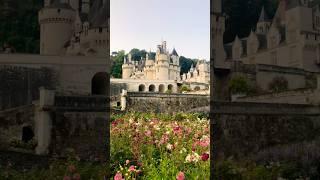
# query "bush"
(278, 84)
(185, 88)
(239, 84)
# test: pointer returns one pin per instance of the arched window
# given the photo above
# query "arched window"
(152, 88)
(170, 87)
(99, 83)
(161, 88)
(142, 88)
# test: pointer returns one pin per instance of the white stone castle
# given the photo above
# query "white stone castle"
(290, 39)
(162, 73)
(74, 27)
(74, 43)
(164, 67)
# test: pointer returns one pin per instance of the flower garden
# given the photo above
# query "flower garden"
(160, 146)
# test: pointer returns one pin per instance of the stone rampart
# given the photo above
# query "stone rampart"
(165, 103)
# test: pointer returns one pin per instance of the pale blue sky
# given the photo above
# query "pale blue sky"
(184, 24)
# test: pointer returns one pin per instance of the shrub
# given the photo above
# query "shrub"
(239, 84)
(185, 88)
(278, 84)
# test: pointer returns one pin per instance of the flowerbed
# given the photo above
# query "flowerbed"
(159, 146)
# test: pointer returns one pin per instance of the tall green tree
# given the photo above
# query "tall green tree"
(117, 61)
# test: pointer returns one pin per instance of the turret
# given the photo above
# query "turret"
(56, 25)
(264, 23)
(218, 28)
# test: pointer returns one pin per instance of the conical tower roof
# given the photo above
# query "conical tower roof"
(263, 16)
(174, 52)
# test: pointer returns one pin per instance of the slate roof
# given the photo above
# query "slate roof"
(263, 16)
(174, 52)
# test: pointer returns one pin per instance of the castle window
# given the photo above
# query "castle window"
(100, 30)
(59, 10)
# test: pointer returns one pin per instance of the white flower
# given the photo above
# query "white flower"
(169, 146)
(183, 150)
(130, 121)
(194, 157)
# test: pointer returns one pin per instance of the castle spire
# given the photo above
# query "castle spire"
(263, 16)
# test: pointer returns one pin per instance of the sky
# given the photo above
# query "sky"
(143, 24)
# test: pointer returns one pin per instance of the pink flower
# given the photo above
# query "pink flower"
(177, 130)
(164, 139)
(148, 133)
(180, 176)
(66, 178)
(205, 157)
(118, 176)
(132, 168)
(127, 161)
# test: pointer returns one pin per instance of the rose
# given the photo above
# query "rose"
(205, 157)
(118, 176)
(132, 168)
(180, 176)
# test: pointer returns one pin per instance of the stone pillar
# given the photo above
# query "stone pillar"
(123, 100)
(43, 120)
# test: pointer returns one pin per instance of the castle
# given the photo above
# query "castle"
(74, 46)
(74, 27)
(164, 67)
(286, 46)
(162, 73)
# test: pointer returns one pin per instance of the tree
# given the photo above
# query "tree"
(116, 70)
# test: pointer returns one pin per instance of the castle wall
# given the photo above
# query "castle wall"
(165, 103)
(134, 84)
(295, 77)
(74, 73)
(266, 132)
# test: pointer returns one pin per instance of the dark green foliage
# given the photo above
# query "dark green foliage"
(239, 84)
(278, 84)
(117, 62)
(19, 25)
(186, 64)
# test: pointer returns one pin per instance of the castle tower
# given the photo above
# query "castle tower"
(127, 68)
(162, 63)
(264, 23)
(56, 26)
(218, 29)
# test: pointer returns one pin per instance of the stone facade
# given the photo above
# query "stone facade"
(163, 72)
(265, 132)
(285, 46)
(164, 103)
(68, 29)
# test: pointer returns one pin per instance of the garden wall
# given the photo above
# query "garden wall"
(165, 103)
(265, 132)
(20, 85)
